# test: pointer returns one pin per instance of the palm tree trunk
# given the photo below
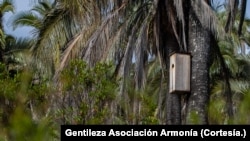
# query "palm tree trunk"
(199, 46)
(173, 100)
(168, 44)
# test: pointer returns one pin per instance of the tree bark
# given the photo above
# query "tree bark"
(168, 45)
(173, 100)
(199, 46)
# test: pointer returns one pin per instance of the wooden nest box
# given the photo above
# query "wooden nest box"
(179, 71)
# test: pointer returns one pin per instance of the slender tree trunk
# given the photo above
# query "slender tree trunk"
(168, 44)
(173, 109)
(199, 46)
(173, 99)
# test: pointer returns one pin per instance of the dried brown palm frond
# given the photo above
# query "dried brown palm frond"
(66, 55)
(208, 18)
(60, 26)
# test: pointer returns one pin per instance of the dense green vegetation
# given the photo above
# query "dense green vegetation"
(106, 62)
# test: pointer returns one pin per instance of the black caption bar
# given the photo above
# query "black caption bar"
(78, 132)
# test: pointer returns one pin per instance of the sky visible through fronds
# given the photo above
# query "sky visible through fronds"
(24, 5)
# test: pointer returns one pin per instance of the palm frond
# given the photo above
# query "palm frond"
(208, 18)
(232, 11)
(65, 57)
(181, 15)
(6, 6)
(59, 28)
(239, 87)
(26, 18)
(43, 7)
(102, 39)
(225, 73)
(13, 44)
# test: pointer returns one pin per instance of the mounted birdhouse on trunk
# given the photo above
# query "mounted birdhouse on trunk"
(179, 71)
